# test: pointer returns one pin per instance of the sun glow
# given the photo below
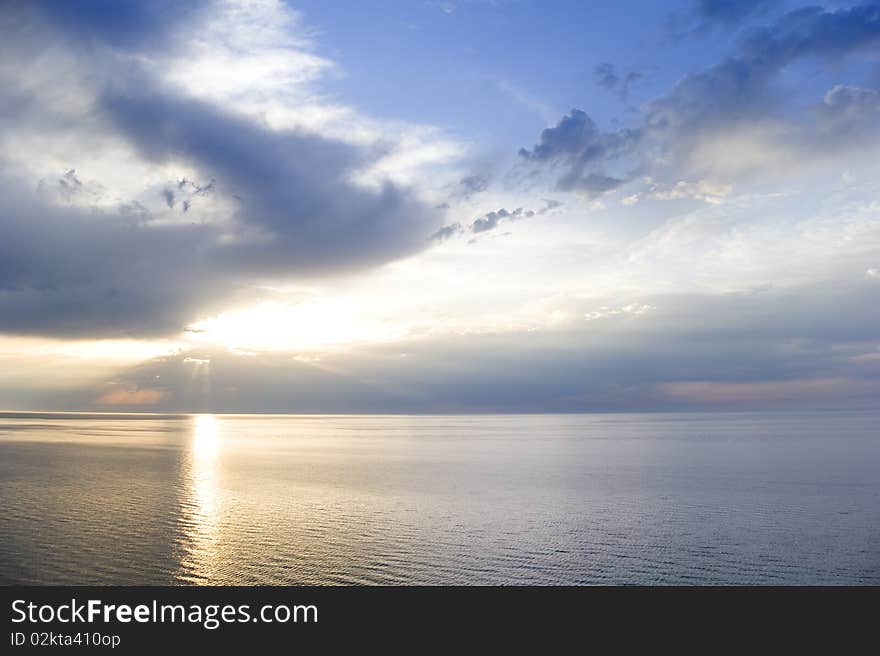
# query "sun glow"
(205, 436)
(305, 326)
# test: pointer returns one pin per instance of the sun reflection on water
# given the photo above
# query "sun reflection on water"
(204, 445)
(200, 507)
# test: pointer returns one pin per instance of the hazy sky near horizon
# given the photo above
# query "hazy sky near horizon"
(455, 206)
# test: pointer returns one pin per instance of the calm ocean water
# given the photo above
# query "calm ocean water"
(551, 499)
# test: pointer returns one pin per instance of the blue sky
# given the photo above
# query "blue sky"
(499, 71)
(461, 67)
(471, 206)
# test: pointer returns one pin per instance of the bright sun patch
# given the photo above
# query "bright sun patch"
(279, 327)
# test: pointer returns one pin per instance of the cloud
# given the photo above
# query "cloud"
(72, 271)
(147, 185)
(138, 254)
(848, 114)
(128, 24)
(577, 138)
(466, 188)
(733, 119)
(782, 348)
(473, 184)
(577, 144)
(592, 185)
(739, 88)
(294, 189)
(491, 220)
(446, 232)
(704, 190)
(729, 120)
(607, 77)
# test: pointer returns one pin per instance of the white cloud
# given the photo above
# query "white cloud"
(705, 190)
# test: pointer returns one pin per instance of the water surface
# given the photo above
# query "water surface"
(549, 499)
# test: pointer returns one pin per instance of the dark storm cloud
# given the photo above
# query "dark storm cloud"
(738, 91)
(72, 268)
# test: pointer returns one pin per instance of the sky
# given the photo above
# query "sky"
(432, 207)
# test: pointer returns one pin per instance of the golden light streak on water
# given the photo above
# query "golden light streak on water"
(200, 511)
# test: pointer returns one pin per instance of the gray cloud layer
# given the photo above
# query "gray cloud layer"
(69, 269)
(775, 348)
(294, 188)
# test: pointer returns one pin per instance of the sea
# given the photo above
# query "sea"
(787, 498)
